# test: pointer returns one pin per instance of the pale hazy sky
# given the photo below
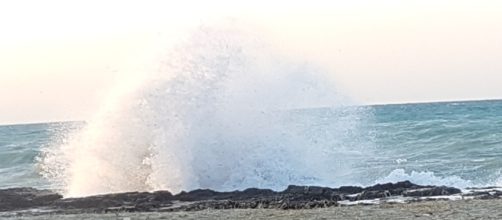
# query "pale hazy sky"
(59, 58)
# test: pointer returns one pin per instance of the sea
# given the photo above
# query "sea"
(225, 110)
(445, 143)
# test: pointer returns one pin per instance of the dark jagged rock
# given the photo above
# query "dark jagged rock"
(253, 204)
(311, 193)
(394, 188)
(136, 201)
(197, 195)
(431, 191)
(404, 188)
(206, 194)
(484, 193)
(350, 189)
(293, 197)
(21, 198)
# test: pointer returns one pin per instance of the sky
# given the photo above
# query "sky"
(58, 59)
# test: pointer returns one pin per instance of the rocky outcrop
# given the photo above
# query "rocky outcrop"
(133, 201)
(293, 197)
(23, 198)
(483, 193)
(404, 188)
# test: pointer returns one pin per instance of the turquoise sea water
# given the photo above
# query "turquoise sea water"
(454, 143)
(457, 143)
(19, 146)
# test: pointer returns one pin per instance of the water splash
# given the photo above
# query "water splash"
(223, 112)
(425, 178)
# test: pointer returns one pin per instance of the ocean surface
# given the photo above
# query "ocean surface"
(449, 143)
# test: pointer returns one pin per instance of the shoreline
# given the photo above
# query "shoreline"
(295, 200)
(442, 209)
(439, 209)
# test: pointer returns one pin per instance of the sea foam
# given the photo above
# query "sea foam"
(224, 111)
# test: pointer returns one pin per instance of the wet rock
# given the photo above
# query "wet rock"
(310, 193)
(350, 189)
(394, 188)
(136, 201)
(431, 191)
(20, 198)
(491, 195)
(366, 195)
(404, 188)
(200, 194)
(256, 204)
(293, 197)
(484, 193)
(206, 194)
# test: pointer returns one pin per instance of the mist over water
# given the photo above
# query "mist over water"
(224, 111)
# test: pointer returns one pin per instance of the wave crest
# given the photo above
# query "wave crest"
(223, 112)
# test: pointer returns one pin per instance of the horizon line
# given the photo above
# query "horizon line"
(356, 105)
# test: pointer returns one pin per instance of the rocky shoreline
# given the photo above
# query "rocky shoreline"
(30, 200)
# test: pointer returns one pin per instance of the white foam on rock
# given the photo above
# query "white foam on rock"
(222, 112)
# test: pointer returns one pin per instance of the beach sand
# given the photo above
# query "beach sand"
(461, 209)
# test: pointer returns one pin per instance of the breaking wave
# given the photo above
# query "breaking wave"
(425, 178)
(224, 111)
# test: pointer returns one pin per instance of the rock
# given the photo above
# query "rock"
(260, 204)
(404, 188)
(431, 191)
(365, 195)
(310, 193)
(143, 201)
(206, 194)
(484, 193)
(200, 194)
(350, 189)
(21, 198)
(293, 197)
(394, 188)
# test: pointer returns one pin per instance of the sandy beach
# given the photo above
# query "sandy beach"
(461, 209)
